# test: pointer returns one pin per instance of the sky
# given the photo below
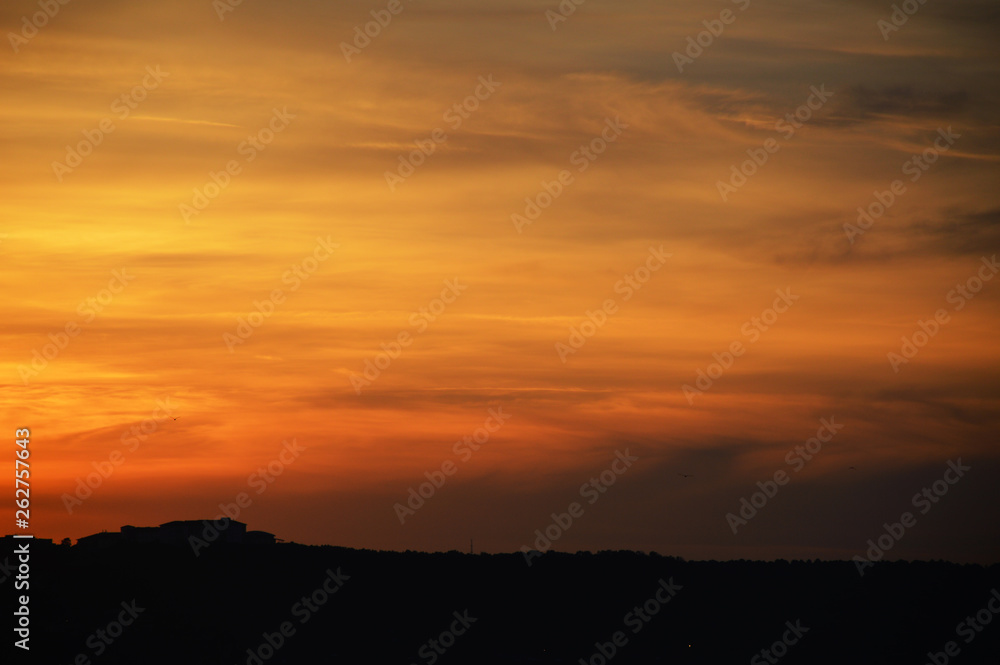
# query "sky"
(489, 248)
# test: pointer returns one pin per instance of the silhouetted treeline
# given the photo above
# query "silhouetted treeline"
(387, 607)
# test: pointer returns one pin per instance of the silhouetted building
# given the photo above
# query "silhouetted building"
(142, 534)
(259, 538)
(221, 531)
(43, 542)
(100, 541)
(180, 532)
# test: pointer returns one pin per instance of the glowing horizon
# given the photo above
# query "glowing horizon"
(220, 213)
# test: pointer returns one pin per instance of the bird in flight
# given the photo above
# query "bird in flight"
(686, 475)
(851, 468)
(175, 417)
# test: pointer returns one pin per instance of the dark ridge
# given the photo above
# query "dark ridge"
(387, 607)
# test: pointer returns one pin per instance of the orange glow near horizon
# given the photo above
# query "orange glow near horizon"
(159, 296)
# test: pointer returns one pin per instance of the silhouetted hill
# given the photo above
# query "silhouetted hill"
(385, 607)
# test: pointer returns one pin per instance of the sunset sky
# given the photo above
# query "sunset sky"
(152, 267)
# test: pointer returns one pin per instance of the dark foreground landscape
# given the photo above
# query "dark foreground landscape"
(289, 603)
